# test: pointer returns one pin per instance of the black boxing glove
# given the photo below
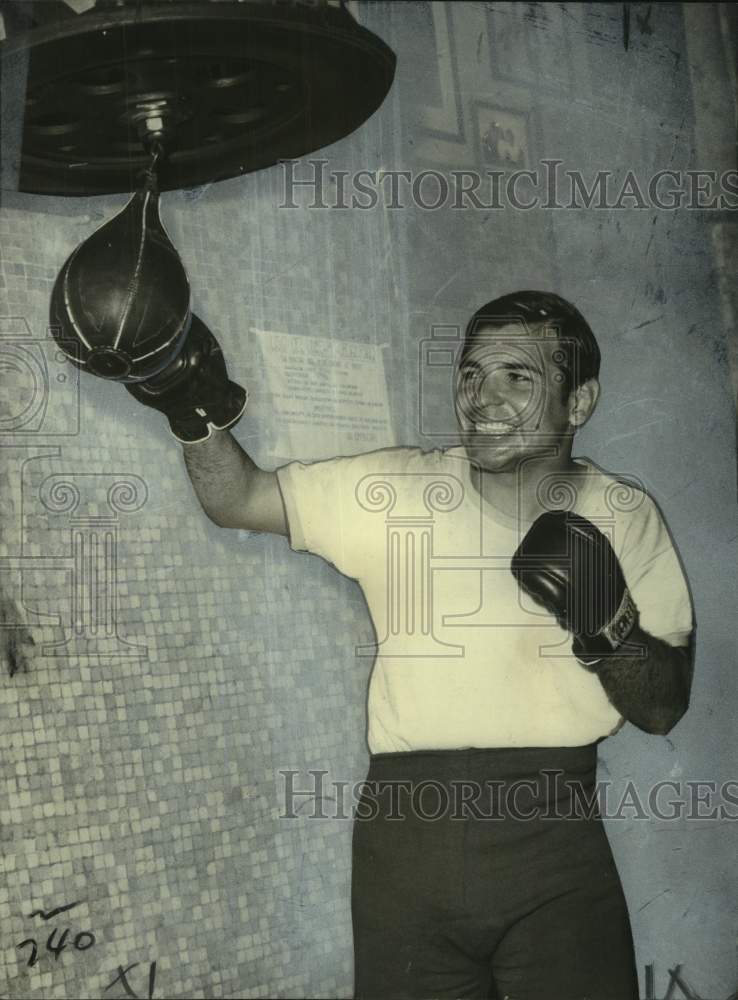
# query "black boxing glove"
(568, 567)
(194, 391)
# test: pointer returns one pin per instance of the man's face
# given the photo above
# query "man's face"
(509, 399)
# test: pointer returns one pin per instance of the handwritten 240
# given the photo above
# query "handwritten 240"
(81, 942)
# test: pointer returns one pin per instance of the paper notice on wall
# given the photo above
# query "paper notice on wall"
(325, 397)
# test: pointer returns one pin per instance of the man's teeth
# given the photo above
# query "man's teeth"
(494, 427)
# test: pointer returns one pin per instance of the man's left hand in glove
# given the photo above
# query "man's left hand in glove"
(568, 566)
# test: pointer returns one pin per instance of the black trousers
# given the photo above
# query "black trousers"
(487, 873)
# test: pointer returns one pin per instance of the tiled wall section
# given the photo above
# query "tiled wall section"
(141, 770)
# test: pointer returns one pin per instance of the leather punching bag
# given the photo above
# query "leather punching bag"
(120, 307)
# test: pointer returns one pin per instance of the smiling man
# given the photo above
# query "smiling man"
(526, 603)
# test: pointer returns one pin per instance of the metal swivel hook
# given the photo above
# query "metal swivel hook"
(148, 176)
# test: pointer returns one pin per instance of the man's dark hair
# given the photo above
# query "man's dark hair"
(536, 312)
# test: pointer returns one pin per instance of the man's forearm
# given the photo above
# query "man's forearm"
(221, 473)
(652, 689)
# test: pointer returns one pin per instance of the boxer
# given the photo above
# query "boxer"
(572, 614)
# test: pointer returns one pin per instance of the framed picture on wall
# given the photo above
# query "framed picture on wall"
(442, 116)
(502, 136)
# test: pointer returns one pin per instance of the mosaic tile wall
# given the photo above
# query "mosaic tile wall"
(141, 764)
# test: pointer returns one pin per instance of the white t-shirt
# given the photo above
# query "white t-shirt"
(463, 657)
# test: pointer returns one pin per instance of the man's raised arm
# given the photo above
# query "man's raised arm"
(233, 491)
(201, 403)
